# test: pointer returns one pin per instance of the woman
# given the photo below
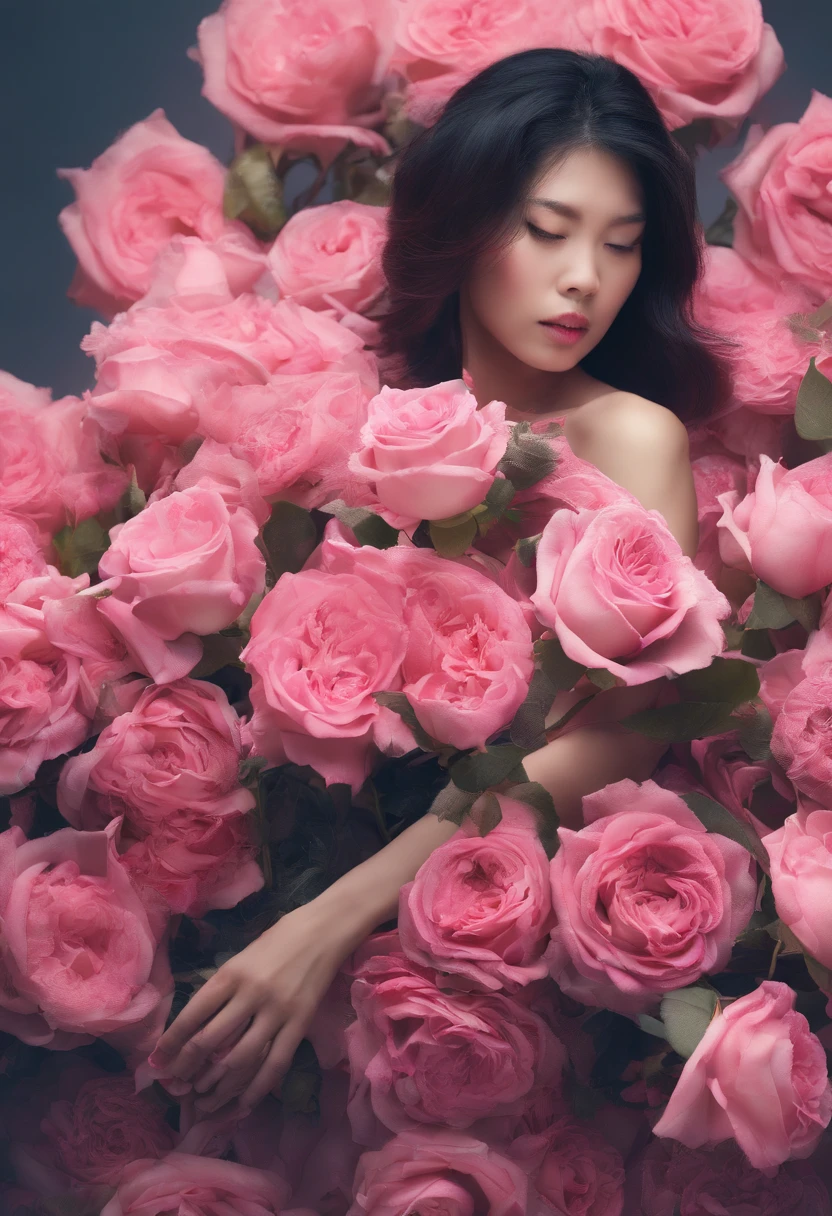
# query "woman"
(543, 237)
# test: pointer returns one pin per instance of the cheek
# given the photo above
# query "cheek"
(502, 286)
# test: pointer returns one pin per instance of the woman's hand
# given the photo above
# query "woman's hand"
(260, 1002)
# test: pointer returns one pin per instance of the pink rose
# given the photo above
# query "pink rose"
(197, 274)
(202, 1186)
(745, 432)
(646, 899)
(779, 675)
(574, 1170)
(329, 256)
(82, 954)
(802, 737)
(184, 566)
(418, 1055)
(699, 60)
(322, 643)
(480, 907)
(429, 453)
(440, 1171)
(782, 530)
(619, 593)
(818, 652)
(781, 182)
(20, 553)
(774, 1100)
(149, 186)
(215, 467)
(469, 655)
(770, 361)
(732, 779)
(801, 879)
(713, 474)
(299, 75)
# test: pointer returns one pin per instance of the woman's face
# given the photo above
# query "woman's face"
(578, 251)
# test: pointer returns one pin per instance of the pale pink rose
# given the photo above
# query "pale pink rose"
(774, 1100)
(801, 879)
(469, 655)
(296, 432)
(83, 954)
(307, 76)
(419, 1055)
(20, 553)
(159, 370)
(818, 652)
(769, 360)
(781, 182)
(149, 186)
(480, 907)
(183, 568)
(429, 453)
(731, 779)
(778, 676)
(699, 60)
(439, 1171)
(322, 643)
(713, 474)
(205, 1186)
(686, 1182)
(646, 899)
(573, 1169)
(216, 468)
(330, 256)
(802, 737)
(619, 593)
(198, 274)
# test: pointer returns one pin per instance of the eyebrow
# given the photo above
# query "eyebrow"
(570, 213)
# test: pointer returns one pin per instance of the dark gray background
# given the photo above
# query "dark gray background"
(74, 73)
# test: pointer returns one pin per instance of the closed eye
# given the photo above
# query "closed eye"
(557, 236)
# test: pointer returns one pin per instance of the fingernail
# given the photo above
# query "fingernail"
(157, 1058)
(244, 1112)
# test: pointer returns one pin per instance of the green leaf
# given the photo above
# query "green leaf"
(80, 549)
(218, 651)
(526, 549)
(453, 803)
(486, 813)
(528, 458)
(687, 1014)
(499, 496)
(481, 771)
(682, 722)
(570, 713)
(806, 611)
(254, 192)
(455, 540)
(729, 681)
(398, 702)
(536, 796)
(528, 727)
(754, 733)
(602, 678)
(813, 412)
(563, 672)
(716, 818)
(289, 537)
(721, 231)
(769, 610)
(757, 644)
(652, 1026)
(375, 531)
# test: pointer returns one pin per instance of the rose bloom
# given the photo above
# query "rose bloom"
(149, 186)
(20, 553)
(818, 652)
(774, 1101)
(301, 75)
(429, 453)
(646, 899)
(82, 953)
(801, 879)
(214, 466)
(713, 474)
(437, 1170)
(418, 1055)
(736, 300)
(699, 60)
(480, 907)
(329, 256)
(184, 566)
(322, 643)
(781, 674)
(731, 779)
(202, 1186)
(619, 593)
(782, 530)
(469, 655)
(802, 737)
(678, 1180)
(781, 183)
(743, 431)
(573, 1169)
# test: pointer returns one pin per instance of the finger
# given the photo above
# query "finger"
(274, 1066)
(224, 1029)
(202, 1005)
(234, 1070)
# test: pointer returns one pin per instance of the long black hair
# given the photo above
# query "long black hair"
(458, 189)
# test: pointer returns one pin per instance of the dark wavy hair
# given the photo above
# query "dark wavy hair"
(458, 189)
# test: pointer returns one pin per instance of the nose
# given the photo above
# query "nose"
(579, 276)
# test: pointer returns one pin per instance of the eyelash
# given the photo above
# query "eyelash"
(554, 236)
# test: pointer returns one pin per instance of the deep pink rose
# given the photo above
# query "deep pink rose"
(774, 1100)
(20, 553)
(301, 75)
(711, 59)
(435, 1170)
(801, 879)
(149, 186)
(781, 182)
(802, 737)
(322, 643)
(646, 899)
(82, 954)
(469, 655)
(199, 1186)
(329, 256)
(480, 907)
(770, 360)
(183, 568)
(732, 779)
(619, 593)
(782, 530)
(429, 453)
(573, 1169)
(419, 1055)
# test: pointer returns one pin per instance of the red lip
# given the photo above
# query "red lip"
(570, 320)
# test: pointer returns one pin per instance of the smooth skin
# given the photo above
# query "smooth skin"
(583, 254)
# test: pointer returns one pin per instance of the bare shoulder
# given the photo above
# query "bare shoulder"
(623, 427)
